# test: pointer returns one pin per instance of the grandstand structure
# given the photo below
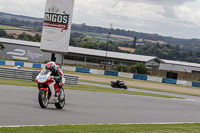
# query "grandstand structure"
(30, 51)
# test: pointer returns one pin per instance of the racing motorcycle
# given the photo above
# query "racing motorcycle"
(49, 92)
(118, 84)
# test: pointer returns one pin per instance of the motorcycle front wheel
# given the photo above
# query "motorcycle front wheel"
(125, 87)
(43, 101)
(61, 103)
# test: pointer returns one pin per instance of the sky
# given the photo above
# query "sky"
(175, 18)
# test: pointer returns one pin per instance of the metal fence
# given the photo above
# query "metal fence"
(29, 75)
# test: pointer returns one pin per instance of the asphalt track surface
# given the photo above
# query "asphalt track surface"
(19, 106)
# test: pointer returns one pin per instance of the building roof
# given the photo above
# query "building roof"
(181, 63)
(91, 52)
(110, 54)
(20, 42)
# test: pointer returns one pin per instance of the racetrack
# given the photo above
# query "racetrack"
(19, 106)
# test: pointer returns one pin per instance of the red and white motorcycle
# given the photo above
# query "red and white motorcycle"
(49, 92)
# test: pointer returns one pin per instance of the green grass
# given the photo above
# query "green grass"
(84, 88)
(102, 37)
(117, 91)
(106, 128)
(128, 79)
(144, 88)
(112, 77)
(10, 27)
(17, 82)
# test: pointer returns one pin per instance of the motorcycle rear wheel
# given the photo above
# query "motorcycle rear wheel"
(43, 101)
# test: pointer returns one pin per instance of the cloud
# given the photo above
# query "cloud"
(166, 17)
(161, 2)
(24, 7)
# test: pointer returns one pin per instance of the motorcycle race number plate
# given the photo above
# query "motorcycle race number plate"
(42, 79)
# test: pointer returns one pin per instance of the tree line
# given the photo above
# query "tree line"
(23, 36)
(191, 44)
(36, 24)
(169, 52)
(163, 51)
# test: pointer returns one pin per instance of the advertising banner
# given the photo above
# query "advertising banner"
(57, 26)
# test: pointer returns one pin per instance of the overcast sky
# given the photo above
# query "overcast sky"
(176, 18)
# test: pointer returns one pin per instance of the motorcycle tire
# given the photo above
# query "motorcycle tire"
(125, 87)
(61, 103)
(112, 86)
(43, 101)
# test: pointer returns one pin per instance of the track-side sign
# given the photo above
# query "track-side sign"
(57, 26)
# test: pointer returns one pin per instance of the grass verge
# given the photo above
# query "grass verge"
(106, 128)
(128, 79)
(144, 88)
(110, 77)
(84, 88)
(10, 27)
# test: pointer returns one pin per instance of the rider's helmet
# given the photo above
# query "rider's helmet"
(50, 66)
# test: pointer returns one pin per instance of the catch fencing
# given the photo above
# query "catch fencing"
(20, 74)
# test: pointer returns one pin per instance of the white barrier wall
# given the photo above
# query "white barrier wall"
(28, 64)
(43, 65)
(125, 75)
(183, 82)
(94, 71)
(68, 68)
(10, 63)
(155, 79)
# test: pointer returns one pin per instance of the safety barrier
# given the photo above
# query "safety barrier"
(94, 71)
(29, 75)
(68, 68)
(102, 72)
(183, 82)
(71, 80)
(16, 74)
(170, 81)
(83, 70)
(140, 77)
(2, 62)
(28, 64)
(111, 73)
(10, 63)
(154, 79)
(125, 75)
(195, 84)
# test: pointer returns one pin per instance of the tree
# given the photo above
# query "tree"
(2, 46)
(139, 68)
(89, 45)
(3, 33)
(157, 45)
(134, 42)
(197, 54)
(120, 67)
(36, 38)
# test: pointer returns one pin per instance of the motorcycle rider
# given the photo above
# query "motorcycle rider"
(57, 73)
(119, 82)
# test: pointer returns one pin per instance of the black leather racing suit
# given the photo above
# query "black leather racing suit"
(57, 76)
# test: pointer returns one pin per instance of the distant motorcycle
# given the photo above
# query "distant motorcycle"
(118, 84)
(47, 87)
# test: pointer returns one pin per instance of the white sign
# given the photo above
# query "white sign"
(57, 26)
